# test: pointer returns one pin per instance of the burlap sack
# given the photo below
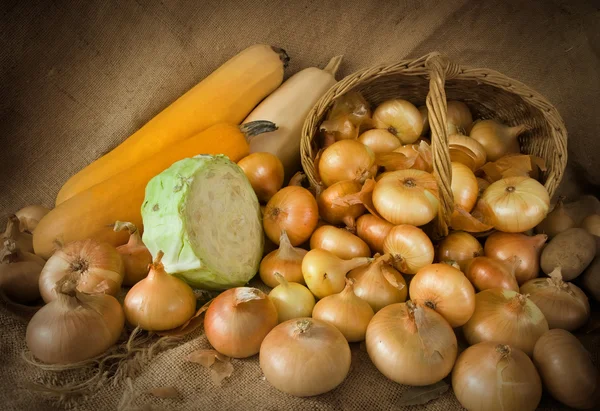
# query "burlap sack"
(77, 78)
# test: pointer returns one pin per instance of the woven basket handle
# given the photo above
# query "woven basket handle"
(440, 69)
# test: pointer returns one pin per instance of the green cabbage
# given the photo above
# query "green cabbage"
(204, 215)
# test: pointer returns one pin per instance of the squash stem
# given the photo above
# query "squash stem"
(254, 128)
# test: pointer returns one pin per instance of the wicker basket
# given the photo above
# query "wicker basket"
(432, 79)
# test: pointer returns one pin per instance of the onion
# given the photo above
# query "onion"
(160, 301)
(464, 186)
(563, 304)
(292, 300)
(305, 357)
(30, 216)
(505, 317)
(496, 377)
(340, 128)
(527, 249)
(293, 209)
(459, 115)
(459, 247)
(238, 320)
(378, 283)
(567, 370)
(346, 160)
(100, 267)
(286, 260)
(467, 151)
(556, 221)
(135, 255)
(74, 326)
(265, 173)
(411, 344)
(409, 247)
(346, 312)
(425, 116)
(325, 274)
(446, 290)
(497, 139)
(336, 205)
(592, 224)
(353, 105)
(379, 141)
(420, 152)
(373, 230)
(340, 242)
(515, 204)
(407, 197)
(483, 185)
(486, 273)
(13, 232)
(401, 118)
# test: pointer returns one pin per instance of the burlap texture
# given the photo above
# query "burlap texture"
(77, 78)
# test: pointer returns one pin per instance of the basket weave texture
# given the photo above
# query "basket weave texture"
(433, 79)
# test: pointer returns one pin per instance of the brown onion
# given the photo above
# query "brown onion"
(373, 230)
(409, 247)
(340, 242)
(135, 255)
(485, 273)
(286, 260)
(265, 173)
(527, 249)
(346, 160)
(459, 247)
(333, 208)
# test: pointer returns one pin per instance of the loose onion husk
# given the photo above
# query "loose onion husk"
(265, 173)
(99, 264)
(353, 105)
(592, 224)
(467, 151)
(505, 317)
(556, 221)
(515, 204)
(135, 255)
(407, 197)
(292, 300)
(410, 156)
(486, 273)
(401, 118)
(340, 242)
(496, 377)
(378, 283)
(563, 304)
(346, 312)
(411, 344)
(496, 138)
(337, 129)
(238, 320)
(373, 230)
(446, 290)
(286, 260)
(459, 247)
(13, 232)
(409, 247)
(464, 186)
(293, 209)
(527, 249)
(305, 357)
(30, 216)
(379, 141)
(567, 370)
(346, 160)
(340, 203)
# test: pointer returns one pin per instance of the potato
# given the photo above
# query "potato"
(572, 250)
(590, 279)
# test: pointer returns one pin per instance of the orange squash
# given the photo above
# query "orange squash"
(225, 96)
(93, 212)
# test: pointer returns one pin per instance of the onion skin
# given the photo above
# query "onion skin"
(373, 230)
(528, 249)
(465, 150)
(496, 377)
(340, 242)
(505, 317)
(459, 247)
(486, 273)
(337, 214)
(305, 357)
(567, 370)
(409, 247)
(265, 173)
(346, 160)
(411, 345)
(446, 290)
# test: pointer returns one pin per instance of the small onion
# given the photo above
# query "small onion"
(409, 247)
(305, 357)
(340, 242)
(286, 260)
(467, 151)
(346, 160)
(592, 224)
(497, 139)
(446, 290)
(373, 230)
(567, 370)
(496, 377)
(459, 247)
(527, 249)
(13, 232)
(30, 216)
(379, 141)
(407, 197)
(401, 118)
(486, 273)
(293, 209)
(464, 186)
(556, 221)
(292, 300)
(515, 204)
(505, 317)
(332, 207)
(459, 115)
(265, 173)
(563, 304)
(19, 273)
(135, 255)
(411, 344)
(238, 320)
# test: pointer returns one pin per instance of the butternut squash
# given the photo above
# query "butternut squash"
(93, 212)
(225, 96)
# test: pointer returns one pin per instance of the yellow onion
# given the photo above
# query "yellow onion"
(567, 370)
(336, 205)
(378, 283)
(135, 255)
(238, 320)
(483, 185)
(459, 247)
(409, 247)
(411, 344)
(286, 260)
(292, 300)
(497, 139)
(265, 173)
(420, 152)
(373, 230)
(556, 221)
(515, 204)
(496, 377)
(505, 317)
(346, 312)
(13, 232)
(353, 105)
(305, 357)
(407, 197)
(19, 273)
(30, 216)
(340, 128)
(379, 141)
(486, 273)
(346, 160)
(401, 118)
(340, 242)
(464, 186)
(446, 290)
(467, 151)
(459, 115)
(563, 304)
(527, 249)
